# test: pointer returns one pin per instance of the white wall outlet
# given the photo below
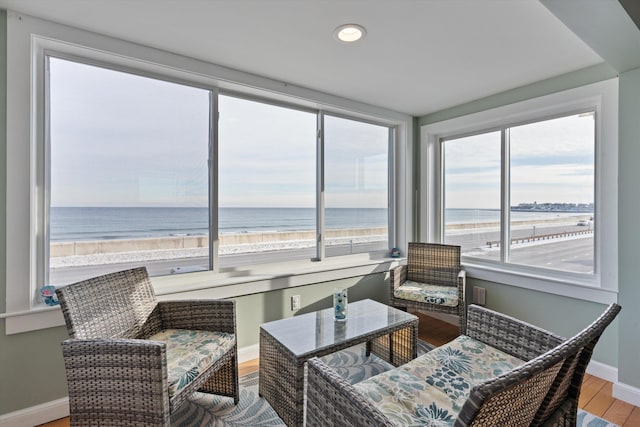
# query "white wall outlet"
(479, 295)
(295, 302)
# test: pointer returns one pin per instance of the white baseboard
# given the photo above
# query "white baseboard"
(600, 370)
(621, 391)
(36, 415)
(248, 353)
(627, 393)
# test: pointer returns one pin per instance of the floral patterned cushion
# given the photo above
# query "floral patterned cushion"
(189, 353)
(424, 292)
(431, 389)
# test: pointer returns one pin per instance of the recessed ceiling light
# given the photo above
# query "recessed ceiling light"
(349, 33)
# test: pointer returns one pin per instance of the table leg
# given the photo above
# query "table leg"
(398, 347)
(281, 381)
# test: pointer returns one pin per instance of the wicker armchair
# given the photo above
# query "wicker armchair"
(132, 360)
(543, 390)
(432, 268)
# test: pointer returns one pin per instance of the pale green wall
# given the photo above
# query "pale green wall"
(629, 236)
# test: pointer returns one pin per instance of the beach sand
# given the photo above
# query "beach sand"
(87, 253)
(90, 253)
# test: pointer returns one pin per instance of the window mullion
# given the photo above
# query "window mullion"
(320, 223)
(44, 251)
(214, 232)
(391, 185)
(505, 196)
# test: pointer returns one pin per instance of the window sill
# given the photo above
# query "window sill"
(227, 284)
(583, 290)
(268, 277)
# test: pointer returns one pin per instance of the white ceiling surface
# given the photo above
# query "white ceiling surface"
(418, 56)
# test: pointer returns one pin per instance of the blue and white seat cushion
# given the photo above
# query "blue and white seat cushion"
(431, 389)
(424, 292)
(189, 353)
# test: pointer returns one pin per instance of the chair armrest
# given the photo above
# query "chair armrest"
(462, 300)
(117, 379)
(397, 276)
(462, 285)
(332, 401)
(206, 315)
(513, 336)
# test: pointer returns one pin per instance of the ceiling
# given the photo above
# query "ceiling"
(418, 57)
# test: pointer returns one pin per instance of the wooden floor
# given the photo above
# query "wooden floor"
(595, 396)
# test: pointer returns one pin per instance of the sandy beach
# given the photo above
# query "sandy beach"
(570, 248)
(90, 253)
(96, 252)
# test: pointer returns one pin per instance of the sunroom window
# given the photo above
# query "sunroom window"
(524, 194)
(266, 182)
(128, 174)
(138, 172)
(529, 191)
(356, 176)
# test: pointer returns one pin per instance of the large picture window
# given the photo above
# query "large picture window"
(128, 175)
(528, 190)
(123, 155)
(138, 173)
(549, 206)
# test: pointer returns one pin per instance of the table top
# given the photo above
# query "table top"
(314, 331)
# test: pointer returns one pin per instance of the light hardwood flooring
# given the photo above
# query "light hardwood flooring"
(595, 396)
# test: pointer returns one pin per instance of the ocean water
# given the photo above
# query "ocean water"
(104, 223)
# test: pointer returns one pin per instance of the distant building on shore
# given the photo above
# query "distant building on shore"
(554, 207)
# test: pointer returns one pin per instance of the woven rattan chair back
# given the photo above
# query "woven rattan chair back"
(543, 391)
(433, 263)
(116, 376)
(115, 305)
(531, 393)
(568, 382)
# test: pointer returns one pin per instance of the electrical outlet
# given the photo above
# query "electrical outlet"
(295, 302)
(479, 295)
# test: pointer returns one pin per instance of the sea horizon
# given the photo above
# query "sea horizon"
(105, 223)
(73, 223)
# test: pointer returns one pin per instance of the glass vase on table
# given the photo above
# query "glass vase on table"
(340, 301)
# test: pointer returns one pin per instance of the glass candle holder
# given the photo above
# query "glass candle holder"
(340, 301)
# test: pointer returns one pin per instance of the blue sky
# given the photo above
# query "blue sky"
(123, 140)
(551, 162)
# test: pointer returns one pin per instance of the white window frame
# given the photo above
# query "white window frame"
(43, 181)
(320, 191)
(29, 38)
(602, 97)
